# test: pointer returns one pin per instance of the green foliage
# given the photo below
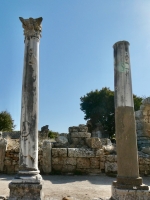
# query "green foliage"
(52, 134)
(98, 107)
(137, 102)
(6, 121)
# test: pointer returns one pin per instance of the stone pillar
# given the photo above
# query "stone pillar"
(3, 147)
(28, 157)
(47, 163)
(127, 157)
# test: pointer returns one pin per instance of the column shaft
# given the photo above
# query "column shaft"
(127, 157)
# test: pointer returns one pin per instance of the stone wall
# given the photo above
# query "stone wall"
(142, 117)
(73, 161)
(79, 160)
(90, 161)
(74, 153)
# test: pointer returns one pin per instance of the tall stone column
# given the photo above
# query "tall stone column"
(127, 157)
(28, 160)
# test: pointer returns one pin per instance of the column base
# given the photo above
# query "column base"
(136, 194)
(26, 186)
(25, 191)
(130, 183)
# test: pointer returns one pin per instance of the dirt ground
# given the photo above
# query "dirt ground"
(56, 187)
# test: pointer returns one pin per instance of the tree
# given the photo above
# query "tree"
(98, 107)
(52, 134)
(6, 121)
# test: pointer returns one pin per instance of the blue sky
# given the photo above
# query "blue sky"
(76, 54)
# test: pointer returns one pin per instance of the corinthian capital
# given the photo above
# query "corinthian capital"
(32, 27)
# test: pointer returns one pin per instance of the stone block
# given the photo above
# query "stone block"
(139, 125)
(7, 162)
(25, 191)
(62, 139)
(57, 167)
(102, 158)
(144, 168)
(99, 152)
(126, 194)
(146, 150)
(57, 161)
(68, 168)
(109, 149)
(110, 167)
(59, 152)
(46, 161)
(10, 169)
(82, 128)
(83, 163)
(80, 135)
(75, 141)
(3, 144)
(111, 158)
(73, 129)
(102, 165)
(106, 141)
(138, 114)
(16, 168)
(94, 143)
(70, 161)
(94, 163)
(139, 132)
(79, 152)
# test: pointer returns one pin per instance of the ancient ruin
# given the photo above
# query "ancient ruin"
(28, 182)
(128, 180)
(78, 151)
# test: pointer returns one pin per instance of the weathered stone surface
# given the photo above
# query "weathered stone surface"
(64, 161)
(138, 114)
(46, 164)
(73, 129)
(62, 139)
(99, 152)
(3, 145)
(79, 152)
(110, 167)
(25, 191)
(103, 158)
(70, 161)
(94, 143)
(28, 156)
(75, 141)
(146, 150)
(10, 169)
(68, 168)
(105, 141)
(57, 160)
(95, 163)
(82, 128)
(83, 163)
(111, 158)
(122, 194)
(59, 152)
(57, 167)
(102, 165)
(109, 149)
(80, 135)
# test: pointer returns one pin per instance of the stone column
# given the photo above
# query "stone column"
(47, 158)
(127, 157)
(3, 148)
(28, 159)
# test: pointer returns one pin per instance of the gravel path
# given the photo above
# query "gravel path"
(58, 187)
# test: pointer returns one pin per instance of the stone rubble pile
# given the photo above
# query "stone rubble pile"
(78, 135)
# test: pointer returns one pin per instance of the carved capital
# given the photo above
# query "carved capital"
(32, 27)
